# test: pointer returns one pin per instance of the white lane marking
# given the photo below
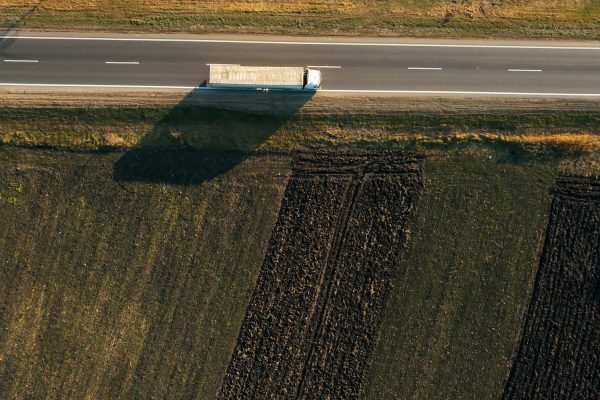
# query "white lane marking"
(460, 92)
(425, 68)
(100, 86)
(123, 62)
(237, 65)
(21, 61)
(475, 46)
(524, 70)
(322, 90)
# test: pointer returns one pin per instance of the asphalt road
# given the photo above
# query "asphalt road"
(441, 67)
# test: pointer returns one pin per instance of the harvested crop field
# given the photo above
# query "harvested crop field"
(525, 18)
(455, 312)
(141, 260)
(560, 348)
(313, 320)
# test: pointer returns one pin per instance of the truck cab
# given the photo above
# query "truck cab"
(312, 79)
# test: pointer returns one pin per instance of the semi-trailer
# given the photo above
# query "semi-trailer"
(239, 76)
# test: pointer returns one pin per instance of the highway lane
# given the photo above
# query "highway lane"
(509, 68)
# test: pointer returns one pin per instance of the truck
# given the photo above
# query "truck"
(251, 77)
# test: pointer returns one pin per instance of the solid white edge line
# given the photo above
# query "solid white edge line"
(424, 68)
(324, 66)
(322, 90)
(524, 70)
(123, 62)
(21, 61)
(459, 92)
(99, 86)
(121, 39)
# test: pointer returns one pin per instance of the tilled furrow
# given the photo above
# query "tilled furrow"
(559, 354)
(312, 322)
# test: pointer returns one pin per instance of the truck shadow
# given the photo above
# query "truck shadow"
(206, 134)
(13, 26)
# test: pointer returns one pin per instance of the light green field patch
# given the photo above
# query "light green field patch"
(454, 315)
(124, 289)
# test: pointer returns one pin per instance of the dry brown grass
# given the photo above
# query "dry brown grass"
(85, 128)
(194, 6)
(562, 142)
(169, 5)
(565, 142)
(482, 18)
(433, 8)
(507, 9)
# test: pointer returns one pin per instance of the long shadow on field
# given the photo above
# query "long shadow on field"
(207, 134)
(15, 25)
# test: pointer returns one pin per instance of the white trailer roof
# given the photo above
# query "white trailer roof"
(228, 74)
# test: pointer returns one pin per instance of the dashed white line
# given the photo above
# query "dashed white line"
(426, 68)
(524, 70)
(123, 62)
(21, 61)
(476, 46)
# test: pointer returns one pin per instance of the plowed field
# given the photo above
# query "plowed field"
(312, 322)
(559, 354)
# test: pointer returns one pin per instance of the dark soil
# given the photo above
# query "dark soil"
(312, 322)
(559, 354)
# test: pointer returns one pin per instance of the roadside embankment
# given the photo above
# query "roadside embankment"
(432, 18)
(276, 102)
(108, 121)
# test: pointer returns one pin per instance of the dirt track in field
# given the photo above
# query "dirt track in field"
(312, 322)
(559, 354)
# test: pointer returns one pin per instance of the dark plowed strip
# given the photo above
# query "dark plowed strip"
(578, 187)
(559, 354)
(363, 272)
(311, 324)
(269, 355)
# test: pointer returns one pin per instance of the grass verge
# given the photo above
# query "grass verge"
(474, 18)
(89, 129)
